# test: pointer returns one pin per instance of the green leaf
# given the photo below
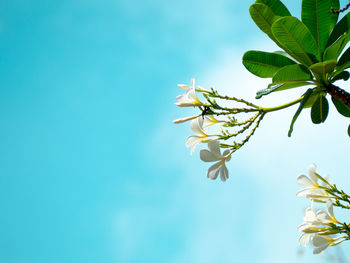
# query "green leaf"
(341, 107)
(340, 28)
(292, 73)
(334, 50)
(311, 100)
(276, 6)
(323, 67)
(319, 110)
(296, 39)
(263, 17)
(264, 64)
(316, 15)
(344, 59)
(349, 130)
(306, 95)
(344, 75)
(278, 87)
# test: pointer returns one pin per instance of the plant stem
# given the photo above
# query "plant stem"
(282, 106)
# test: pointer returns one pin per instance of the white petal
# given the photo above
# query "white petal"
(304, 192)
(214, 147)
(182, 120)
(323, 217)
(207, 156)
(213, 170)
(197, 125)
(312, 171)
(304, 239)
(309, 215)
(320, 249)
(193, 141)
(304, 180)
(193, 83)
(319, 240)
(330, 208)
(183, 86)
(225, 153)
(223, 172)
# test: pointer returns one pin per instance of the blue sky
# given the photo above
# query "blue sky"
(93, 170)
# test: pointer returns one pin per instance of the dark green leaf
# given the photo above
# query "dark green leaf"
(334, 50)
(278, 87)
(349, 130)
(264, 64)
(296, 39)
(276, 6)
(317, 17)
(306, 97)
(311, 100)
(319, 110)
(340, 28)
(323, 67)
(344, 59)
(263, 17)
(344, 75)
(341, 107)
(292, 73)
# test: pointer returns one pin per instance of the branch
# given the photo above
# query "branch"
(340, 10)
(338, 93)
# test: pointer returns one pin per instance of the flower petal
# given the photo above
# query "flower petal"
(312, 171)
(320, 249)
(193, 141)
(304, 239)
(225, 153)
(197, 125)
(182, 120)
(208, 156)
(330, 208)
(304, 180)
(223, 172)
(213, 171)
(183, 86)
(323, 217)
(319, 240)
(214, 147)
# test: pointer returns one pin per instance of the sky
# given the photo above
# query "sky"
(92, 169)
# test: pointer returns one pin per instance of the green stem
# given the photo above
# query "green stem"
(282, 106)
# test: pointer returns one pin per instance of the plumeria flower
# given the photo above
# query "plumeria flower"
(312, 190)
(186, 87)
(197, 127)
(182, 120)
(214, 155)
(310, 220)
(309, 226)
(321, 242)
(189, 98)
(210, 120)
(327, 218)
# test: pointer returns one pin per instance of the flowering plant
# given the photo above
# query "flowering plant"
(314, 54)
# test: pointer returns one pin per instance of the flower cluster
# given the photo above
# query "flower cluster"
(211, 114)
(320, 227)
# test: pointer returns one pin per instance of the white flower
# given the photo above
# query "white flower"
(321, 242)
(186, 87)
(210, 120)
(182, 120)
(214, 155)
(324, 217)
(197, 127)
(189, 98)
(312, 190)
(309, 225)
